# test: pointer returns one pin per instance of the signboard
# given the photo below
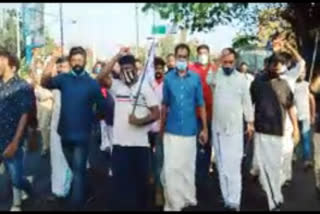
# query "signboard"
(33, 27)
(159, 29)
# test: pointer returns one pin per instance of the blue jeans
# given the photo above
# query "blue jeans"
(76, 156)
(305, 139)
(203, 158)
(15, 168)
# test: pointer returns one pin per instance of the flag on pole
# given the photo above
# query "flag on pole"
(150, 69)
(148, 72)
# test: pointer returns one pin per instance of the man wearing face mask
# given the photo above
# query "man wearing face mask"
(79, 93)
(182, 96)
(155, 141)
(274, 102)
(232, 102)
(171, 63)
(131, 149)
(202, 67)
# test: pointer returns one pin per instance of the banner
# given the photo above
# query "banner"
(33, 27)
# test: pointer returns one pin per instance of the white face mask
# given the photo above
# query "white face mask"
(39, 71)
(203, 59)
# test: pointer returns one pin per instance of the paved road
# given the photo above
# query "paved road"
(300, 196)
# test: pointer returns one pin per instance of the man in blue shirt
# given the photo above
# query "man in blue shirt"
(79, 94)
(182, 95)
(15, 105)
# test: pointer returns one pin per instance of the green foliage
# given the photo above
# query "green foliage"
(198, 16)
(244, 41)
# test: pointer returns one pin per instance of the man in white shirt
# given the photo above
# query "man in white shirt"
(232, 101)
(305, 104)
(131, 149)
(290, 73)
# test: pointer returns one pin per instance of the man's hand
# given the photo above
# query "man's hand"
(133, 120)
(11, 150)
(296, 136)
(203, 137)
(123, 51)
(312, 120)
(250, 130)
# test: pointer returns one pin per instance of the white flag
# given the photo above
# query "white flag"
(150, 69)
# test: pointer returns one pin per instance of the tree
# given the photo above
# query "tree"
(244, 41)
(198, 16)
(300, 18)
(8, 32)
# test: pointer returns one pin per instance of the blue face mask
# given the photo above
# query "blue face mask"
(181, 65)
(227, 71)
(98, 70)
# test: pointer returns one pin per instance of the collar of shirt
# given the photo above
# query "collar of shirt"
(177, 73)
(81, 74)
(13, 79)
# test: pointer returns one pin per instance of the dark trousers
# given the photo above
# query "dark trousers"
(203, 158)
(14, 166)
(76, 156)
(130, 168)
(156, 157)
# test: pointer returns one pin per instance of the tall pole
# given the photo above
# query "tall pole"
(137, 29)
(61, 30)
(18, 33)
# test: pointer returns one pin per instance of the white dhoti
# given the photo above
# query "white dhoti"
(228, 154)
(178, 175)
(269, 153)
(316, 156)
(61, 174)
(287, 153)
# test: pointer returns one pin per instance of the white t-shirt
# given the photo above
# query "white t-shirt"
(301, 95)
(125, 134)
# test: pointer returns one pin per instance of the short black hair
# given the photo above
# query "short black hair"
(277, 58)
(159, 61)
(275, 35)
(182, 46)
(77, 50)
(13, 60)
(243, 63)
(231, 51)
(127, 59)
(287, 56)
(203, 46)
(62, 59)
(170, 55)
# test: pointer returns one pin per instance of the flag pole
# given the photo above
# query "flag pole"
(143, 77)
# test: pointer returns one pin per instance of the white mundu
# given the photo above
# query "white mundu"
(231, 101)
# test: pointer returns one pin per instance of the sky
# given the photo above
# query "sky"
(107, 26)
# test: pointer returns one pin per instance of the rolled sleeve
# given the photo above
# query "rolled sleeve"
(199, 93)
(54, 82)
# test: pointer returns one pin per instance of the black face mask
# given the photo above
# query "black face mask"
(78, 69)
(158, 75)
(227, 71)
(129, 77)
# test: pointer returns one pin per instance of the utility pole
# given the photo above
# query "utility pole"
(137, 29)
(18, 33)
(61, 30)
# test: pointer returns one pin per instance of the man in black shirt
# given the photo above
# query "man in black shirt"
(272, 98)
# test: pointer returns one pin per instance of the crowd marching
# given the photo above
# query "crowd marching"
(168, 126)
